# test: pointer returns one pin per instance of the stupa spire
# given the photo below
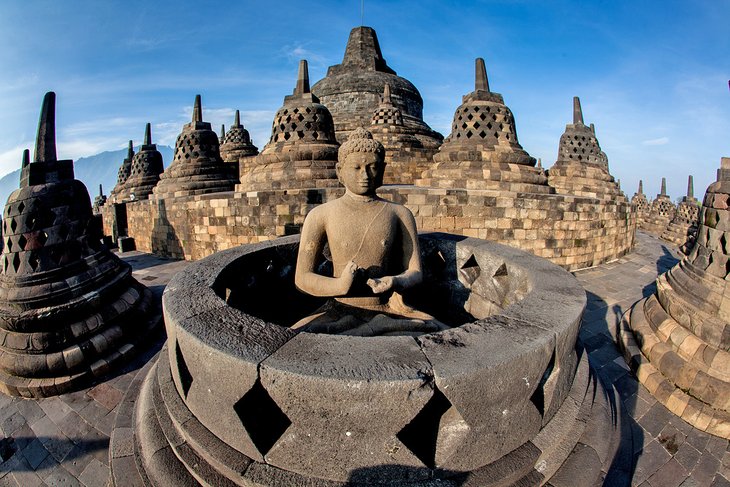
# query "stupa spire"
(223, 131)
(197, 110)
(302, 78)
(26, 158)
(101, 192)
(593, 129)
(45, 142)
(664, 187)
(130, 150)
(690, 187)
(481, 82)
(148, 134)
(237, 119)
(577, 111)
(641, 186)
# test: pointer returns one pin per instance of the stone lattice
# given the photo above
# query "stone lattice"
(582, 167)
(405, 154)
(236, 143)
(302, 151)
(197, 167)
(147, 166)
(678, 339)
(660, 213)
(352, 92)
(641, 204)
(118, 194)
(482, 151)
(682, 230)
(99, 202)
(69, 309)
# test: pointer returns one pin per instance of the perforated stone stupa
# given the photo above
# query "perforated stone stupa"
(146, 168)
(482, 150)
(69, 309)
(236, 143)
(682, 230)
(582, 167)
(352, 91)
(641, 204)
(678, 339)
(99, 201)
(197, 167)
(118, 194)
(302, 150)
(660, 213)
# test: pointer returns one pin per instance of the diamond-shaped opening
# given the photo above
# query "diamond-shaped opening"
(300, 134)
(5, 263)
(33, 261)
(287, 135)
(501, 271)
(22, 241)
(434, 434)
(308, 110)
(470, 270)
(469, 134)
(16, 262)
(21, 207)
(483, 117)
(538, 397)
(315, 135)
(482, 134)
(263, 419)
(470, 116)
(476, 125)
(13, 224)
(10, 245)
(186, 379)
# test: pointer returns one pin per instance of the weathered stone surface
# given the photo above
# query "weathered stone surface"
(197, 167)
(117, 195)
(69, 309)
(660, 213)
(682, 229)
(352, 92)
(236, 143)
(147, 165)
(302, 151)
(680, 335)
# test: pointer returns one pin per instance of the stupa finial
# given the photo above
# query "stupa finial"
(223, 131)
(45, 142)
(26, 158)
(481, 82)
(237, 119)
(641, 186)
(539, 163)
(593, 129)
(148, 134)
(690, 187)
(386, 95)
(302, 78)
(130, 150)
(197, 110)
(101, 192)
(577, 111)
(664, 187)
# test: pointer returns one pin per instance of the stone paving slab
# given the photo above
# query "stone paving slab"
(65, 440)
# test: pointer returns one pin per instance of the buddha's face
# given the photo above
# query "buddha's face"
(361, 173)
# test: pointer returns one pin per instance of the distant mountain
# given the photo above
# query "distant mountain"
(92, 171)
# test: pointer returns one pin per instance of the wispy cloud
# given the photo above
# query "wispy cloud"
(659, 141)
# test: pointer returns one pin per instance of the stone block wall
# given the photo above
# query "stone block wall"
(573, 232)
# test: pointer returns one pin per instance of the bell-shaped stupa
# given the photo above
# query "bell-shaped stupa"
(69, 308)
(147, 166)
(682, 230)
(482, 151)
(118, 194)
(197, 167)
(236, 143)
(660, 213)
(677, 340)
(98, 202)
(581, 168)
(352, 90)
(302, 151)
(641, 204)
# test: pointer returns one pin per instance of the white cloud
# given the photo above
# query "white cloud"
(10, 159)
(659, 141)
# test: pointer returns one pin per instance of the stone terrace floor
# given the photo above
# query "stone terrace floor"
(64, 440)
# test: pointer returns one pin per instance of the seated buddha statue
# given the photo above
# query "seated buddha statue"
(373, 246)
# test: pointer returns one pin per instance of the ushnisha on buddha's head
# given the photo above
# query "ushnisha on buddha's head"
(361, 163)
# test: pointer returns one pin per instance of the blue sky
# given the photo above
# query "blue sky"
(652, 74)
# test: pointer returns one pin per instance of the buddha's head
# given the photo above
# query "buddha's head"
(361, 163)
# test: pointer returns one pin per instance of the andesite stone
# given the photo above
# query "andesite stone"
(147, 165)
(69, 309)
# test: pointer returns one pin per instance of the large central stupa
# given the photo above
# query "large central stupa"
(352, 90)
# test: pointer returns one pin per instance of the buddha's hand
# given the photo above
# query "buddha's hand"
(347, 276)
(381, 285)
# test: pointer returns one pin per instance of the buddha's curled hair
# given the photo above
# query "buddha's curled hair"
(360, 140)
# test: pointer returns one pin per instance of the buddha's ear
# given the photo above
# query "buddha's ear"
(338, 167)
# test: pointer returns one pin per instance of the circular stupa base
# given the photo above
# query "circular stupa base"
(503, 397)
